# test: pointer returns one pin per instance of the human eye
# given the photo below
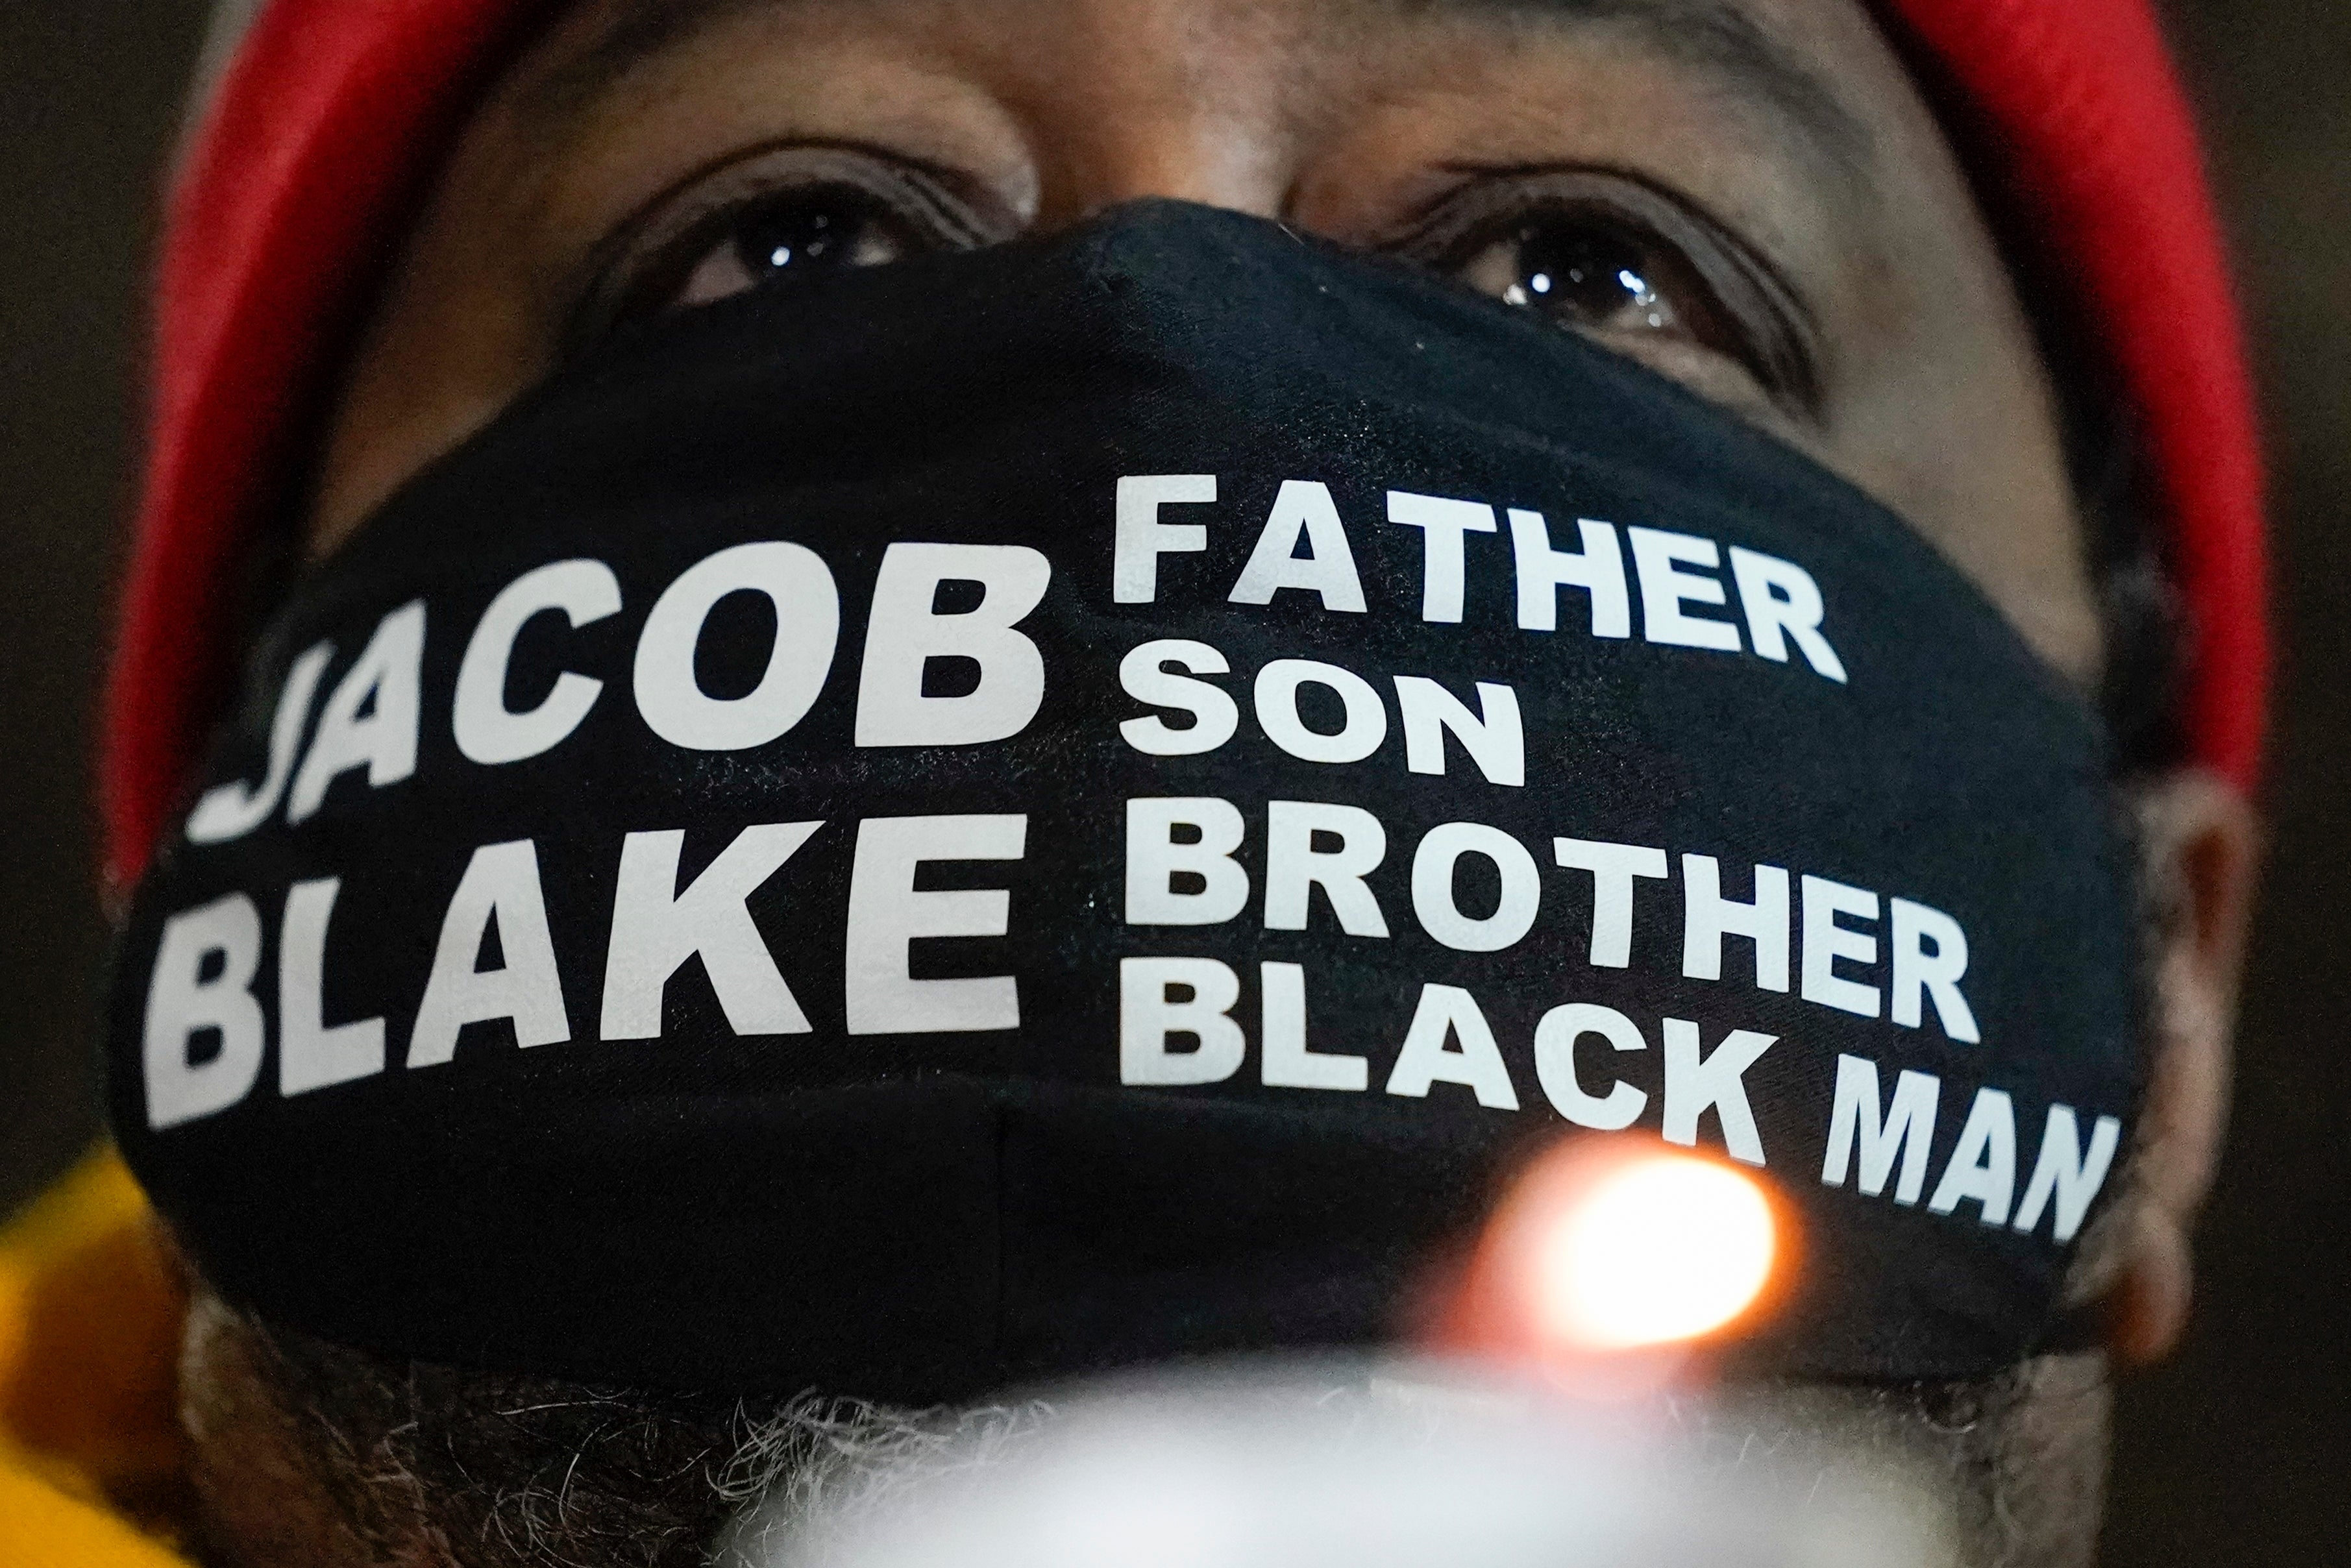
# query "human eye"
(770, 220)
(1625, 263)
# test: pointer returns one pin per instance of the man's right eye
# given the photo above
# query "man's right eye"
(775, 218)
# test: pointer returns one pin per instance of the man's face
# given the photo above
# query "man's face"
(1749, 196)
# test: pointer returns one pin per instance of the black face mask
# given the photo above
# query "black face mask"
(1026, 811)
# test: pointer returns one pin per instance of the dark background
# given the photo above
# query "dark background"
(2232, 1454)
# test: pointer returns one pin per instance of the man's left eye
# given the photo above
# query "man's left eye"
(1583, 274)
(1610, 258)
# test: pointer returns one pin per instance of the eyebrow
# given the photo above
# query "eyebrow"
(1714, 39)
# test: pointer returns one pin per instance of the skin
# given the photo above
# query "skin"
(1344, 118)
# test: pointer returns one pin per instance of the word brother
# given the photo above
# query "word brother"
(1838, 946)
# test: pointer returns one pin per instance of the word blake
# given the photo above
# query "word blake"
(369, 723)
(208, 960)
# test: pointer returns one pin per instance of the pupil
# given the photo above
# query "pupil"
(1581, 270)
(798, 237)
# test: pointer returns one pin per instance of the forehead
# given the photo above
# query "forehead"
(1789, 118)
(1793, 59)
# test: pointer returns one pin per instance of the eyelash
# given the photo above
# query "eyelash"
(1740, 308)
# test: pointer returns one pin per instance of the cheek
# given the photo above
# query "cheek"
(449, 351)
(466, 320)
(1940, 403)
(1717, 380)
(1961, 441)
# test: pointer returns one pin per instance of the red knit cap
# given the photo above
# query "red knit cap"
(335, 112)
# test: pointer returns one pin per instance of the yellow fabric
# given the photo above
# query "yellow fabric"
(90, 1456)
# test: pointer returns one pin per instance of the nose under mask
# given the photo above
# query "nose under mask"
(1019, 812)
